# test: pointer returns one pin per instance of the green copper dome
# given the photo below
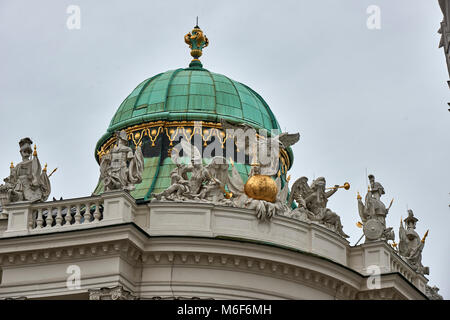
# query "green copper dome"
(192, 94)
(171, 101)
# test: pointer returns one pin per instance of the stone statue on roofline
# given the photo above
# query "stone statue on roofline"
(410, 246)
(207, 182)
(373, 213)
(312, 203)
(120, 168)
(27, 180)
(213, 183)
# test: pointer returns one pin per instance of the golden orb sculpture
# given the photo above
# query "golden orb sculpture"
(261, 187)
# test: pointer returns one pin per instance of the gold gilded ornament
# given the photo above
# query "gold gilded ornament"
(261, 187)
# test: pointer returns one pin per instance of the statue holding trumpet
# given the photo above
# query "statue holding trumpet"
(312, 202)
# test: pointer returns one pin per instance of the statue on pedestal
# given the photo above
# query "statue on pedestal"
(312, 203)
(27, 181)
(373, 213)
(410, 246)
(115, 173)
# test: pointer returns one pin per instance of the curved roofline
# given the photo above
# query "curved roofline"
(176, 116)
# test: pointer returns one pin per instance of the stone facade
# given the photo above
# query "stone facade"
(188, 251)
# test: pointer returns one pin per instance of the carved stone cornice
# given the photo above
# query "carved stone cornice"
(115, 293)
(432, 293)
(380, 294)
(123, 248)
(335, 287)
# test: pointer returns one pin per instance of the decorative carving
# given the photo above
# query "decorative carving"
(432, 293)
(114, 171)
(211, 133)
(115, 293)
(27, 181)
(410, 246)
(197, 41)
(213, 183)
(312, 203)
(373, 213)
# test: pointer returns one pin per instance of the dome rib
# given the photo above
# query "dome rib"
(215, 91)
(169, 87)
(237, 93)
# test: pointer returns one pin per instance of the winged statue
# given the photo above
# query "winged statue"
(312, 203)
(263, 150)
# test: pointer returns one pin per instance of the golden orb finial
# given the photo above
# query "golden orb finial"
(34, 152)
(197, 41)
(261, 187)
(12, 165)
(45, 168)
(358, 196)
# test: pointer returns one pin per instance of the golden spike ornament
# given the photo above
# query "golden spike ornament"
(425, 236)
(54, 170)
(12, 165)
(358, 196)
(34, 152)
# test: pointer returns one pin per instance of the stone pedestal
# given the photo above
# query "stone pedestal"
(19, 218)
(119, 207)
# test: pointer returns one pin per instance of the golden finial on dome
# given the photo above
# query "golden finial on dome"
(197, 41)
(358, 196)
(45, 168)
(34, 152)
(12, 165)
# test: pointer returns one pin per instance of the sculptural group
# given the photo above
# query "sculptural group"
(373, 213)
(27, 181)
(219, 182)
(411, 245)
(115, 172)
(312, 203)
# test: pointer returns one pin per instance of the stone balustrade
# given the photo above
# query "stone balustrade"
(53, 216)
(66, 213)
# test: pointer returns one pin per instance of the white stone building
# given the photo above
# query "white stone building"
(118, 244)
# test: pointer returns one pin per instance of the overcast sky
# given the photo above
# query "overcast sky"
(360, 98)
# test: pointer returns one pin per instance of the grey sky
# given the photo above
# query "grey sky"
(360, 98)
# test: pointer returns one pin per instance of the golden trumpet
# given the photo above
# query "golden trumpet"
(346, 186)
